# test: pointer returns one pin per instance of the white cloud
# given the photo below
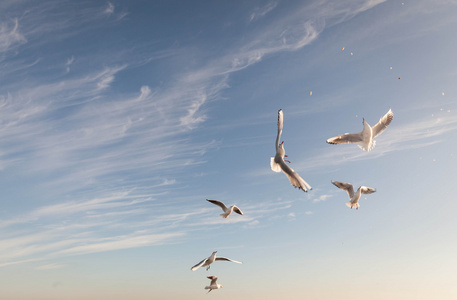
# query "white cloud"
(260, 12)
(109, 9)
(321, 198)
(10, 36)
(121, 242)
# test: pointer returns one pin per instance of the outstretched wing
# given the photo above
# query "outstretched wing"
(347, 138)
(228, 259)
(199, 265)
(383, 123)
(213, 280)
(218, 203)
(367, 190)
(237, 210)
(280, 125)
(345, 186)
(294, 178)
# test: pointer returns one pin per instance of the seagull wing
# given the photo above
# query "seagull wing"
(218, 203)
(280, 125)
(345, 186)
(199, 265)
(294, 178)
(347, 138)
(213, 280)
(228, 259)
(367, 190)
(273, 163)
(379, 127)
(237, 210)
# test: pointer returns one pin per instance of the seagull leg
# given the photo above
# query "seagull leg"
(207, 268)
(287, 161)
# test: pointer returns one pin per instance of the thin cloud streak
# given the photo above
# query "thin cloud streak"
(261, 12)
(10, 36)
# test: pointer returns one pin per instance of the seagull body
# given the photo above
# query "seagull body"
(227, 210)
(365, 138)
(213, 285)
(278, 164)
(208, 261)
(354, 197)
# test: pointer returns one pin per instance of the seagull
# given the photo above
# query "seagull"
(353, 197)
(213, 285)
(227, 210)
(208, 261)
(365, 138)
(278, 164)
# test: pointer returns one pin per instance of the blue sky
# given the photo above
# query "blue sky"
(119, 118)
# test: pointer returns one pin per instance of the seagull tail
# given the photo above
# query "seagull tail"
(368, 147)
(274, 166)
(224, 215)
(352, 205)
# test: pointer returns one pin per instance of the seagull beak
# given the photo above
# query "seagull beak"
(282, 142)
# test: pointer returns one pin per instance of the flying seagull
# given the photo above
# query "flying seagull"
(208, 261)
(278, 164)
(227, 210)
(365, 138)
(213, 285)
(354, 198)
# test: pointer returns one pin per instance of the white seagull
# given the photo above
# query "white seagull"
(213, 285)
(208, 261)
(354, 198)
(278, 164)
(365, 138)
(227, 210)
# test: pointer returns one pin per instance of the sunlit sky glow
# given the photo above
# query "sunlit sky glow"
(119, 118)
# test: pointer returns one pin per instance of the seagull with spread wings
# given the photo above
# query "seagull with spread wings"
(278, 164)
(354, 197)
(208, 261)
(365, 138)
(213, 284)
(227, 210)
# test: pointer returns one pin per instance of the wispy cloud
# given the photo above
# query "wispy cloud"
(109, 9)
(121, 242)
(260, 12)
(10, 36)
(321, 198)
